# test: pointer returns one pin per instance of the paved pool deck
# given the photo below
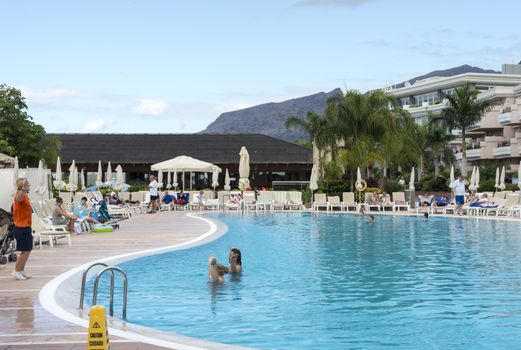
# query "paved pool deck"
(25, 324)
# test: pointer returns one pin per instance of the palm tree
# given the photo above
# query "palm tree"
(438, 141)
(463, 111)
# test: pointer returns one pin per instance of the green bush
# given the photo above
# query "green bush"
(332, 171)
(433, 183)
(391, 186)
(138, 186)
(334, 188)
(306, 196)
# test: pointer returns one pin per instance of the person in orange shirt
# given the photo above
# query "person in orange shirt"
(22, 214)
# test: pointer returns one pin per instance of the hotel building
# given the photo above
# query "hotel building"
(498, 135)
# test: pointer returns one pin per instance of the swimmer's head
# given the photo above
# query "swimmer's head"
(221, 269)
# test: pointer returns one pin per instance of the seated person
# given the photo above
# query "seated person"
(235, 199)
(114, 199)
(103, 211)
(181, 198)
(441, 201)
(372, 198)
(199, 199)
(235, 260)
(168, 198)
(480, 201)
(82, 212)
(61, 217)
(216, 271)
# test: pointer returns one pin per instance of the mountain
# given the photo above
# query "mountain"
(447, 73)
(269, 118)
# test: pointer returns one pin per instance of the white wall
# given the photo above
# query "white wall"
(7, 187)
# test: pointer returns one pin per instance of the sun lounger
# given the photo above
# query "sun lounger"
(295, 200)
(249, 201)
(52, 232)
(399, 201)
(320, 201)
(348, 201)
(372, 201)
(387, 203)
(424, 204)
(510, 205)
(333, 202)
(233, 202)
(265, 200)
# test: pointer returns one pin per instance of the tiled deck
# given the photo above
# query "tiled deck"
(25, 324)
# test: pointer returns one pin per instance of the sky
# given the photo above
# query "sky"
(167, 66)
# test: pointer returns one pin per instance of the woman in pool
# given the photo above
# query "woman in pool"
(216, 271)
(235, 260)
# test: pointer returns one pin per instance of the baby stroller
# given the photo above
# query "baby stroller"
(8, 247)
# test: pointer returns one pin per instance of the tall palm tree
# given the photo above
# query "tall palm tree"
(462, 112)
(438, 141)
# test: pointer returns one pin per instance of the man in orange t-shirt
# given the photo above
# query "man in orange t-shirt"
(22, 215)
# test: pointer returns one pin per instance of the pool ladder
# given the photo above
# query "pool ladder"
(110, 269)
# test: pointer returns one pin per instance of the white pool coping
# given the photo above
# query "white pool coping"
(48, 298)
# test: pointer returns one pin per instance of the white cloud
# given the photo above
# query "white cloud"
(95, 125)
(42, 95)
(151, 107)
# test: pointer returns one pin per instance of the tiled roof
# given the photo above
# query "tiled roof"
(153, 148)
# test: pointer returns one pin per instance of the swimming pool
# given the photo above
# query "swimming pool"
(337, 282)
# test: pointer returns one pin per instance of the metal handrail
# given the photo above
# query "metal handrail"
(84, 281)
(125, 289)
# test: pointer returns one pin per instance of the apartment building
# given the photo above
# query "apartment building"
(498, 135)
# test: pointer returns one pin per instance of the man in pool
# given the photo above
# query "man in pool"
(235, 260)
(370, 219)
(216, 271)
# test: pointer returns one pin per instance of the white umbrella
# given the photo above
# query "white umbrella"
(215, 178)
(99, 176)
(119, 178)
(473, 179)
(40, 190)
(169, 181)
(496, 185)
(108, 176)
(313, 179)
(73, 178)
(15, 173)
(476, 179)
(227, 181)
(358, 175)
(160, 178)
(82, 180)
(502, 179)
(411, 181)
(451, 182)
(59, 184)
(175, 184)
(451, 179)
(244, 169)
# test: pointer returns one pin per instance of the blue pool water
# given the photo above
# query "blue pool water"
(337, 282)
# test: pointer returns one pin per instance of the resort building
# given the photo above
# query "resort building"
(498, 135)
(270, 159)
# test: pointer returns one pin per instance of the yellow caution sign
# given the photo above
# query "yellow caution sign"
(98, 332)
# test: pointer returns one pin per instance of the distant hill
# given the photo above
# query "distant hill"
(447, 73)
(269, 118)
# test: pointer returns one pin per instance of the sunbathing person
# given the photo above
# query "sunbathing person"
(83, 213)
(216, 271)
(181, 198)
(61, 217)
(199, 200)
(235, 260)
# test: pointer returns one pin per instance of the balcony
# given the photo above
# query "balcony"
(504, 118)
(471, 154)
(502, 151)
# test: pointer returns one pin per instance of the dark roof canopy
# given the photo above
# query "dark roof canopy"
(153, 148)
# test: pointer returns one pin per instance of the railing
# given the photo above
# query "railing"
(502, 151)
(504, 118)
(110, 269)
